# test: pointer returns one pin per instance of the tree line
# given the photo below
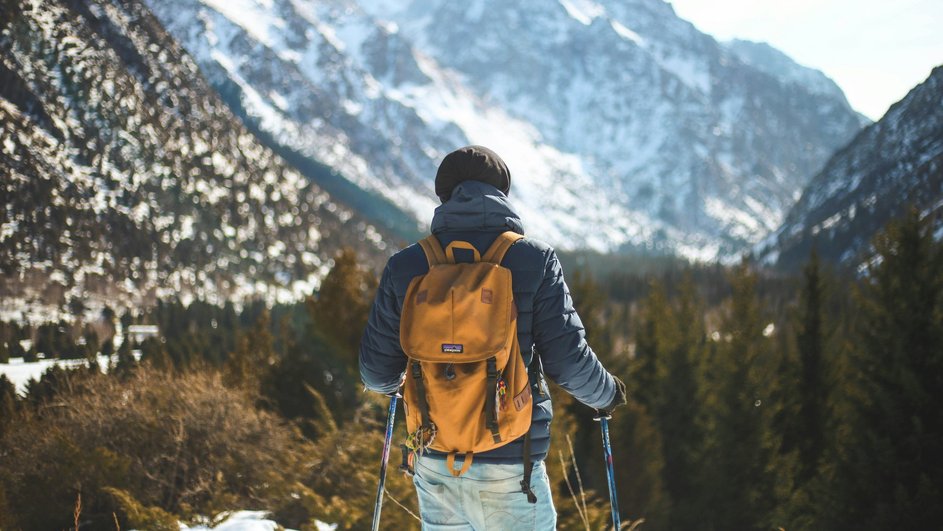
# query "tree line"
(806, 402)
(758, 400)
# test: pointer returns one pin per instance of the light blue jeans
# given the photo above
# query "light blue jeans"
(486, 497)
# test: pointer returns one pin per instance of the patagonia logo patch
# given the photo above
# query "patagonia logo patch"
(453, 348)
(487, 296)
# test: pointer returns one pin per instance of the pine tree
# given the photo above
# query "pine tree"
(803, 422)
(8, 402)
(108, 347)
(339, 313)
(126, 320)
(45, 340)
(31, 355)
(651, 343)
(812, 392)
(592, 305)
(92, 344)
(294, 386)
(126, 362)
(17, 333)
(639, 465)
(739, 455)
(891, 470)
(342, 304)
(254, 355)
(678, 411)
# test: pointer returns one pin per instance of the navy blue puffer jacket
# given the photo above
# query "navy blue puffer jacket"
(547, 323)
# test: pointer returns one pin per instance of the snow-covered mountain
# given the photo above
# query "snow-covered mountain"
(125, 177)
(622, 124)
(893, 164)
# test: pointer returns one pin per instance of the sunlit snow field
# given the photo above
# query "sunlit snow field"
(20, 372)
(249, 521)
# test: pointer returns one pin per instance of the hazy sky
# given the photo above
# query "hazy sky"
(876, 50)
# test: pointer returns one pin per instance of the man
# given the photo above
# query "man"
(473, 183)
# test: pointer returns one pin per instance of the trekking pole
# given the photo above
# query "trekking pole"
(603, 419)
(390, 416)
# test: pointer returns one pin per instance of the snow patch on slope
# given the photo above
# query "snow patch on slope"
(626, 33)
(254, 16)
(584, 11)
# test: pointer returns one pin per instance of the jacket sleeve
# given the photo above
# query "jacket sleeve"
(382, 360)
(561, 342)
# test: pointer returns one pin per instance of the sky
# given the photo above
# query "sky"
(876, 50)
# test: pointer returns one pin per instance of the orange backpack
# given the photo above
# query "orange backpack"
(467, 388)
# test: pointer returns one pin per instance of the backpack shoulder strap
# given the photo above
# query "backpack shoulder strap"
(433, 249)
(496, 252)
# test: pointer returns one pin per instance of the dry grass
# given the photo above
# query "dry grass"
(77, 511)
(591, 515)
(183, 443)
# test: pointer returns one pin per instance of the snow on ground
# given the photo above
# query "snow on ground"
(20, 372)
(250, 521)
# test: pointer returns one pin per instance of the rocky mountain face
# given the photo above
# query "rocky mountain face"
(125, 178)
(892, 165)
(623, 125)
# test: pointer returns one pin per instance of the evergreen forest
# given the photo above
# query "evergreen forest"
(758, 400)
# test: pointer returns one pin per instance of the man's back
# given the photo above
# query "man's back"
(478, 214)
(473, 183)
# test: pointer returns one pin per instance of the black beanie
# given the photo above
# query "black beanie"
(471, 163)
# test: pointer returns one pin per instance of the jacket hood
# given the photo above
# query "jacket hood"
(476, 206)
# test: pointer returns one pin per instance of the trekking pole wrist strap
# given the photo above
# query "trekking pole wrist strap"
(528, 471)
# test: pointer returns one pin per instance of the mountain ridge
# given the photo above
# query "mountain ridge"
(717, 150)
(893, 164)
(129, 180)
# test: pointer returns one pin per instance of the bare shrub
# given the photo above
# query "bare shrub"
(345, 472)
(183, 443)
(140, 517)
